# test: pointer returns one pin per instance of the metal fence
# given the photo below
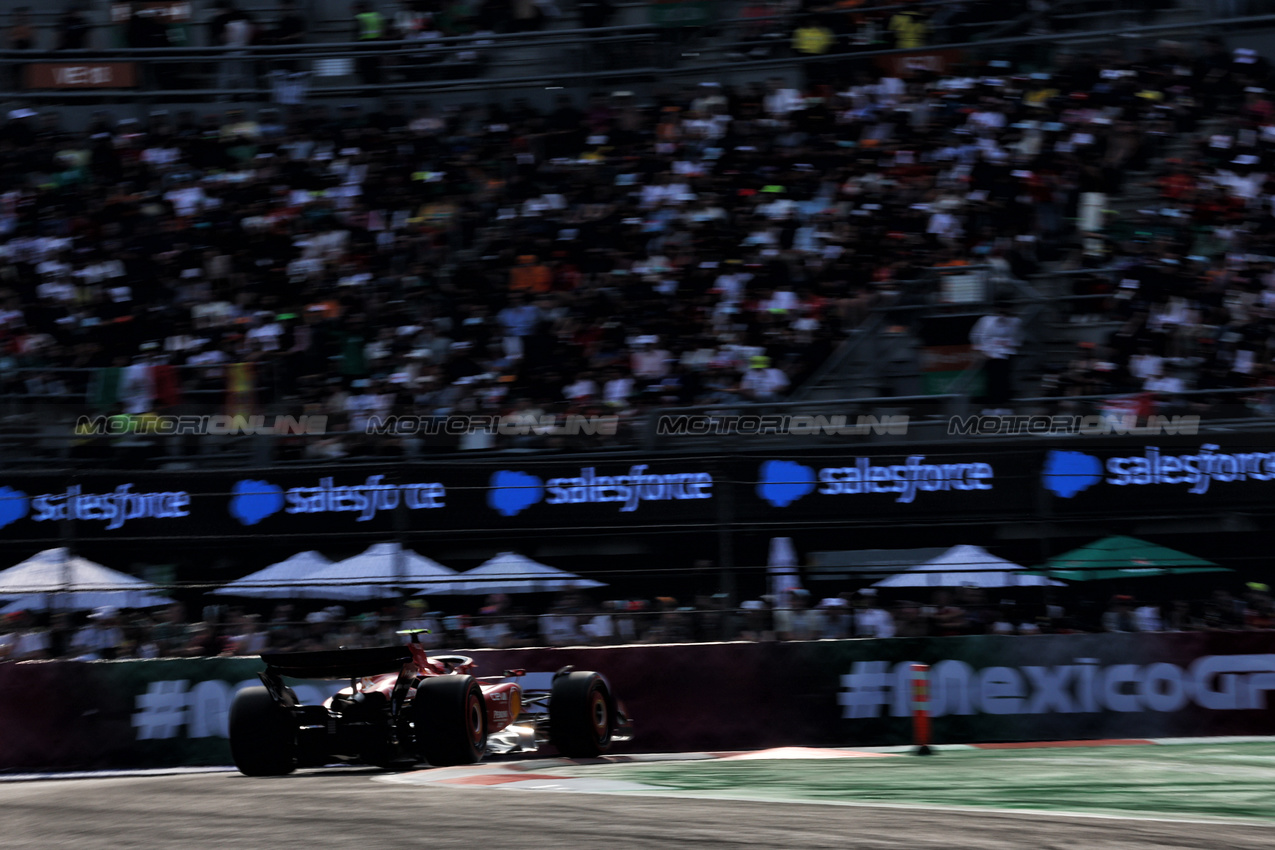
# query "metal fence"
(553, 58)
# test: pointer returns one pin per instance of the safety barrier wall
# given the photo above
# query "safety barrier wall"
(63, 715)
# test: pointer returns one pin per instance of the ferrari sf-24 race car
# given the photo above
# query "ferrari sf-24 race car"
(404, 706)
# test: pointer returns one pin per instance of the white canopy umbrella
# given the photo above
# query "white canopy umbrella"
(57, 580)
(85, 601)
(782, 568)
(376, 573)
(291, 578)
(963, 566)
(510, 572)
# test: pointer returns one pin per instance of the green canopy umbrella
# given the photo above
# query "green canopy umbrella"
(1123, 557)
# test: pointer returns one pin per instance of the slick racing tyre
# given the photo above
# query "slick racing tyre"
(581, 715)
(263, 735)
(450, 717)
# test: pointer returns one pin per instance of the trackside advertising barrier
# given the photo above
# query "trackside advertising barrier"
(989, 480)
(62, 715)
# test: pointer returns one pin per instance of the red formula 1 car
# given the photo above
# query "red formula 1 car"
(404, 707)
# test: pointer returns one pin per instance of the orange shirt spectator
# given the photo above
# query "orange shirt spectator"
(530, 275)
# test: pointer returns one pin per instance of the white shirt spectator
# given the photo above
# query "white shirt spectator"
(268, 334)
(1164, 384)
(56, 290)
(799, 623)
(765, 384)
(558, 629)
(783, 101)
(213, 314)
(618, 390)
(581, 388)
(186, 201)
(600, 627)
(30, 644)
(1148, 618)
(650, 363)
(493, 635)
(998, 337)
(92, 643)
(873, 622)
(1143, 366)
(946, 225)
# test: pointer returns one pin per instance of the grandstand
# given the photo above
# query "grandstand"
(742, 224)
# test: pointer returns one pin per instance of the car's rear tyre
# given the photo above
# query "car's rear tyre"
(581, 715)
(263, 734)
(450, 717)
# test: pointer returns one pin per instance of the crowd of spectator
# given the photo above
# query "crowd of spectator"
(575, 620)
(710, 244)
(1194, 288)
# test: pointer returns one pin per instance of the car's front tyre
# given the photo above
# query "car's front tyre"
(582, 715)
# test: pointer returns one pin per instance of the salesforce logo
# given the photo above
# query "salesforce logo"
(782, 482)
(252, 501)
(512, 491)
(13, 506)
(1069, 473)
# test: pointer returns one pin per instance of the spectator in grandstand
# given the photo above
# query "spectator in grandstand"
(245, 636)
(997, 338)
(910, 28)
(73, 28)
(813, 40)
(31, 643)
(8, 636)
(102, 638)
(234, 29)
(369, 28)
(1119, 616)
(762, 381)
(288, 29)
(797, 620)
(870, 619)
(559, 627)
(21, 35)
(946, 619)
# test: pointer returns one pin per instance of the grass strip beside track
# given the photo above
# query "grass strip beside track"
(1185, 781)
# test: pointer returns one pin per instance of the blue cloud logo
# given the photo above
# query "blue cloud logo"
(1069, 473)
(252, 501)
(13, 505)
(510, 491)
(782, 482)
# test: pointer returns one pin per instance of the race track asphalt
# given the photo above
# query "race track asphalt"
(345, 808)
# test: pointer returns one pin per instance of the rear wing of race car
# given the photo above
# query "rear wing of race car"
(338, 663)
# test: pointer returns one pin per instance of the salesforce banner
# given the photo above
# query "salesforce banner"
(369, 500)
(1181, 477)
(991, 481)
(994, 482)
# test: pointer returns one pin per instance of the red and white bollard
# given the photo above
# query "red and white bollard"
(921, 709)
